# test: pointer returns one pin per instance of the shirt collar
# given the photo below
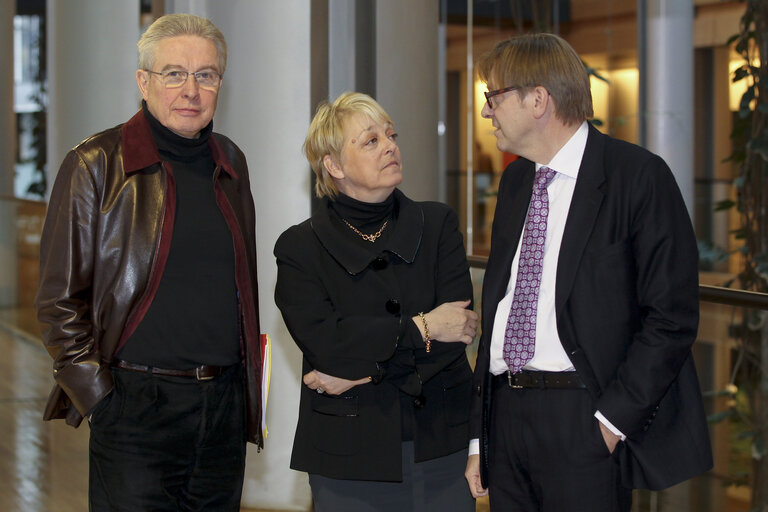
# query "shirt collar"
(568, 160)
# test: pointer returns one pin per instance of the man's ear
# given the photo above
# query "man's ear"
(142, 80)
(542, 101)
(333, 167)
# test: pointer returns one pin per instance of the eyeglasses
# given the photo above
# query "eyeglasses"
(176, 78)
(491, 94)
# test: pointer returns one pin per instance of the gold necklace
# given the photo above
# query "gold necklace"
(369, 238)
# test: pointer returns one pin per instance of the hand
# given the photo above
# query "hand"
(472, 474)
(611, 439)
(450, 322)
(324, 383)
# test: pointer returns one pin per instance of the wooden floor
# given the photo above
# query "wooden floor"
(43, 464)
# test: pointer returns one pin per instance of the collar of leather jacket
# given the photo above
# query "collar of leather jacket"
(140, 150)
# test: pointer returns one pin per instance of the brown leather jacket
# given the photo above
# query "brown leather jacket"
(105, 242)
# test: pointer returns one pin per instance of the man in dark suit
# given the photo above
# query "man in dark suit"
(584, 385)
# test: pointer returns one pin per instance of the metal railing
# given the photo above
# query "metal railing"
(707, 293)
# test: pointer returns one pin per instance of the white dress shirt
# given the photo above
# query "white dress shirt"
(549, 354)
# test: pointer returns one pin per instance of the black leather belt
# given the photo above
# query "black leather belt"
(203, 372)
(530, 379)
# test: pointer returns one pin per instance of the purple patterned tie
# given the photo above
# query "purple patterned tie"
(520, 336)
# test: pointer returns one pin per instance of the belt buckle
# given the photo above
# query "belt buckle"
(202, 377)
(509, 381)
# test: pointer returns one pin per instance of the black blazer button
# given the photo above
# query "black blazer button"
(379, 264)
(419, 402)
(393, 306)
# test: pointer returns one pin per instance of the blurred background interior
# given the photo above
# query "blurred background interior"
(667, 75)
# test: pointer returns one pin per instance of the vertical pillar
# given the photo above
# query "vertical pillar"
(341, 48)
(351, 47)
(669, 81)
(91, 70)
(669, 86)
(406, 86)
(8, 281)
(442, 102)
(264, 106)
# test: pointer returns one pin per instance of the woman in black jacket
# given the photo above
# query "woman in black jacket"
(375, 290)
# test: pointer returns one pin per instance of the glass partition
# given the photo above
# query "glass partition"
(473, 165)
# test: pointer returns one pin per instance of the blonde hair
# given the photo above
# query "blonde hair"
(326, 134)
(173, 25)
(545, 60)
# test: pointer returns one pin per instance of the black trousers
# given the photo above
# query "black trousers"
(546, 453)
(436, 485)
(168, 444)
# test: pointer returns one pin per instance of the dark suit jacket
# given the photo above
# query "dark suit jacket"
(349, 310)
(626, 301)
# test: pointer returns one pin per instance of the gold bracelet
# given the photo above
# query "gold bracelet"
(427, 339)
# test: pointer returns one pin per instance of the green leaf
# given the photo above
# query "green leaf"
(710, 253)
(725, 204)
(593, 72)
(740, 233)
(719, 416)
(740, 73)
(742, 46)
(759, 146)
(746, 100)
(716, 393)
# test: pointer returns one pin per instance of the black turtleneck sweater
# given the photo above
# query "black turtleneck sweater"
(366, 217)
(193, 318)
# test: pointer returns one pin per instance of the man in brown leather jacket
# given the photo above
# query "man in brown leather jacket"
(148, 291)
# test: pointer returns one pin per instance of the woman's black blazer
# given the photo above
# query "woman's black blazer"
(349, 310)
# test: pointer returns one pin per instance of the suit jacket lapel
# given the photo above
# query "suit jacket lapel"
(585, 205)
(509, 221)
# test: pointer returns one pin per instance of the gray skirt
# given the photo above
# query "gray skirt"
(436, 485)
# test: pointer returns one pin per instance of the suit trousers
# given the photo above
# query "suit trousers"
(547, 454)
(168, 444)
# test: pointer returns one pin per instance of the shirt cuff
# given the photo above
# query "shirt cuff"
(602, 419)
(474, 447)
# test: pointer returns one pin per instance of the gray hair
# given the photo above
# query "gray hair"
(172, 25)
